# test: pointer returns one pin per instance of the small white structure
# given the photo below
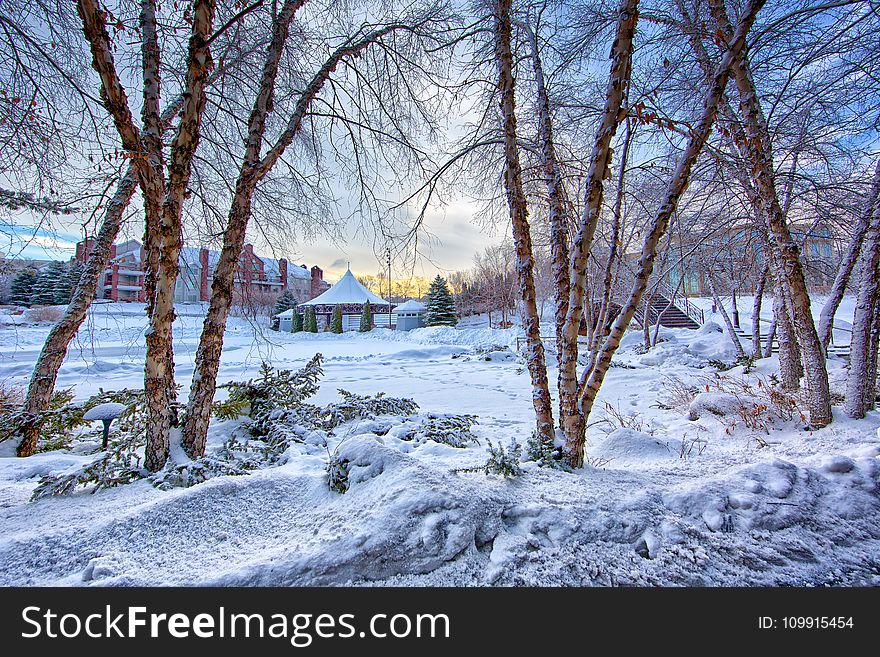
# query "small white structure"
(410, 315)
(285, 320)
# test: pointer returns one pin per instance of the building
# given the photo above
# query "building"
(256, 276)
(350, 295)
(735, 257)
(409, 315)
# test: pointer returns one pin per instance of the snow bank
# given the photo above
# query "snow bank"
(716, 403)
(628, 447)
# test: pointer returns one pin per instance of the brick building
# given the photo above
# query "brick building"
(123, 279)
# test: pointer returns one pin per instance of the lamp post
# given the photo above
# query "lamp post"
(388, 254)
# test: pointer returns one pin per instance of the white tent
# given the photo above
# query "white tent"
(347, 290)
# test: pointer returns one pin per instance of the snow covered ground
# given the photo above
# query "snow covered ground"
(746, 498)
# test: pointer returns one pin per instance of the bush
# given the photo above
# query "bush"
(504, 463)
(337, 474)
(446, 428)
(44, 314)
(545, 453)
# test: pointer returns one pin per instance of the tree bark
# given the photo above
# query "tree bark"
(518, 207)
(559, 219)
(613, 248)
(572, 421)
(159, 386)
(163, 203)
(677, 186)
(848, 263)
(760, 150)
(871, 384)
(731, 331)
(756, 314)
(858, 383)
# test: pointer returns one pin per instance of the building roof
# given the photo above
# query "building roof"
(411, 306)
(347, 290)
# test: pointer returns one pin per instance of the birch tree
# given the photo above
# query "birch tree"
(256, 165)
(163, 193)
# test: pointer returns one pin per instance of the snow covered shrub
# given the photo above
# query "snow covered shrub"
(504, 462)
(184, 475)
(679, 394)
(620, 420)
(272, 389)
(747, 361)
(120, 464)
(446, 428)
(757, 406)
(337, 474)
(545, 453)
(354, 406)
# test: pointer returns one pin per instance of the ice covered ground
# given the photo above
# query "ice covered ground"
(667, 500)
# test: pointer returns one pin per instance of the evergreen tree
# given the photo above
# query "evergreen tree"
(285, 301)
(311, 321)
(67, 283)
(22, 287)
(296, 326)
(441, 304)
(48, 279)
(366, 318)
(336, 322)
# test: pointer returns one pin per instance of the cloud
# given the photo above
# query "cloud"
(339, 263)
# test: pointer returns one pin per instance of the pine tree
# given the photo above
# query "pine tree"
(366, 318)
(22, 287)
(296, 326)
(311, 322)
(441, 304)
(67, 284)
(336, 322)
(285, 301)
(48, 279)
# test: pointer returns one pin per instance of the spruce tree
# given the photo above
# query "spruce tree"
(366, 318)
(67, 283)
(336, 322)
(296, 326)
(311, 321)
(22, 287)
(441, 304)
(285, 301)
(48, 279)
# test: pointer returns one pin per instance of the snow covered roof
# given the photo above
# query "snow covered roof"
(189, 255)
(411, 306)
(295, 271)
(286, 313)
(347, 290)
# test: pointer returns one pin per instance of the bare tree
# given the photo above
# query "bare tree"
(516, 200)
(163, 196)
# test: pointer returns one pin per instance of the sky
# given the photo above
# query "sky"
(451, 239)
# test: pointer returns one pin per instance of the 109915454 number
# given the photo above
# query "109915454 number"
(816, 622)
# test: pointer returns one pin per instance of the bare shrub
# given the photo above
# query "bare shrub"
(679, 394)
(44, 314)
(11, 397)
(618, 419)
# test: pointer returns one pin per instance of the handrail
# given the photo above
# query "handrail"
(696, 314)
